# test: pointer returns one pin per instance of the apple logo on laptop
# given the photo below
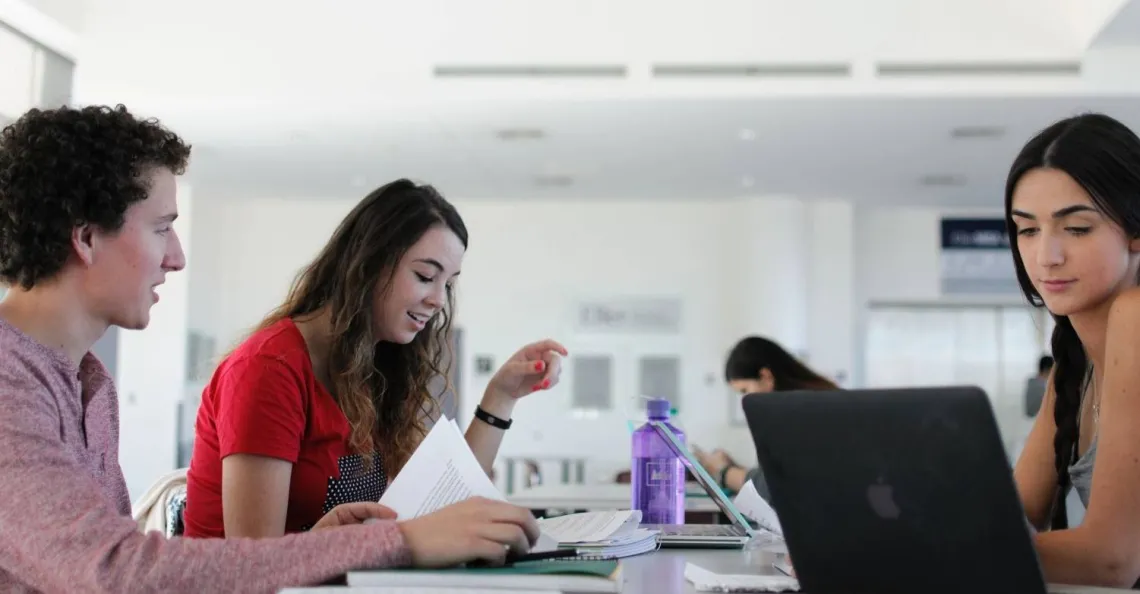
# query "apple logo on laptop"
(882, 499)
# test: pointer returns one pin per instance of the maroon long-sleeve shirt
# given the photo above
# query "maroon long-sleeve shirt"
(65, 522)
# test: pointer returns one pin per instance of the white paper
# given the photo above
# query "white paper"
(443, 470)
(591, 526)
(704, 580)
(751, 504)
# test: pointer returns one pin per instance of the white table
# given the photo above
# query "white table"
(663, 572)
(597, 497)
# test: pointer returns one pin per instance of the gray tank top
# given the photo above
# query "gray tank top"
(1080, 473)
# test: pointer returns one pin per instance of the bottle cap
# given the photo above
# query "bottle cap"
(657, 408)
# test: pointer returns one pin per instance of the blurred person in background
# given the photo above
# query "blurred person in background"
(758, 365)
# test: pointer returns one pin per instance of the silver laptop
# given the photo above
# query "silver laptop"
(733, 536)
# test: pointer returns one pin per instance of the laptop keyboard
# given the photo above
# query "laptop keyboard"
(700, 530)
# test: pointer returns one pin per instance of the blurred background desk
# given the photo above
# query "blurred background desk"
(554, 499)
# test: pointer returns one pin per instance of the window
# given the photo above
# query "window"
(18, 77)
(591, 385)
(994, 347)
(660, 377)
(32, 76)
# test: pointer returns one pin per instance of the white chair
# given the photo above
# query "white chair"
(160, 508)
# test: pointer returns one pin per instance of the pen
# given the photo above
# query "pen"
(512, 559)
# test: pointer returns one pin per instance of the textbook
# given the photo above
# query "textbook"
(564, 576)
(602, 534)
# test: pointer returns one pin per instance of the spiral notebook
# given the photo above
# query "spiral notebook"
(601, 535)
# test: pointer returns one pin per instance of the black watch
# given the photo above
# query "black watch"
(491, 419)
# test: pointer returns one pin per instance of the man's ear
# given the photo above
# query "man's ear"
(83, 242)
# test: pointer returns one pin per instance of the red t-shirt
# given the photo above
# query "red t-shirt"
(264, 399)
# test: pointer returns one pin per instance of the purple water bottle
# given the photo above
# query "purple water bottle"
(658, 475)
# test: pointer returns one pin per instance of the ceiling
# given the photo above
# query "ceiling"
(826, 98)
(870, 150)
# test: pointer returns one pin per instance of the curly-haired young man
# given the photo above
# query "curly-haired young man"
(87, 198)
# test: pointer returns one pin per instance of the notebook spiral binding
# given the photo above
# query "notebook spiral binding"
(588, 557)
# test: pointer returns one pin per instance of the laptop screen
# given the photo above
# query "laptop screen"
(707, 483)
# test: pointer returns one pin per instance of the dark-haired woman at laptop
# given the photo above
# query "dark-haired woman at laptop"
(758, 365)
(1072, 203)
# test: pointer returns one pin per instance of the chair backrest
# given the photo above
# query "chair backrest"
(175, 507)
(160, 509)
(533, 474)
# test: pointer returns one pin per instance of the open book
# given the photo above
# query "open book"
(602, 534)
(443, 470)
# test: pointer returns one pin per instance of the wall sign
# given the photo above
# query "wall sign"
(484, 364)
(976, 258)
(629, 316)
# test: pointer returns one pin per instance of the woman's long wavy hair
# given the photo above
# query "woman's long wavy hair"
(1103, 156)
(754, 353)
(382, 388)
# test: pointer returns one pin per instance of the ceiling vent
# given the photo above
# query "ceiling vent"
(553, 180)
(532, 71)
(977, 132)
(1002, 69)
(943, 180)
(753, 71)
(514, 134)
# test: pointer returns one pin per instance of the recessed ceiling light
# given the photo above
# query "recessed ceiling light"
(747, 181)
(508, 134)
(943, 180)
(975, 132)
(747, 134)
(299, 136)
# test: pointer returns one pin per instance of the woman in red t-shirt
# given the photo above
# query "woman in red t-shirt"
(326, 399)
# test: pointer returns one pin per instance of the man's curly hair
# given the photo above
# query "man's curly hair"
(61, 168)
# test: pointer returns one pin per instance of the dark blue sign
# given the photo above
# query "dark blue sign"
(974, 234)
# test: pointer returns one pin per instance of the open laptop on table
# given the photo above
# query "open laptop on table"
(735, 535)
(903, 490)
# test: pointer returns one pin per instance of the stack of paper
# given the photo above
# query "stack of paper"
(752, 505)
(706, 581)
(601, 535)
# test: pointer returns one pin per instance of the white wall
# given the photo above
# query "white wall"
(44, 22)
(899, 250)
(897, 261)
(151, 368)
(832, 250)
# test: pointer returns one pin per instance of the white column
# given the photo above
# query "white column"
(766, 271)
(152, 372)
(831, 289)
